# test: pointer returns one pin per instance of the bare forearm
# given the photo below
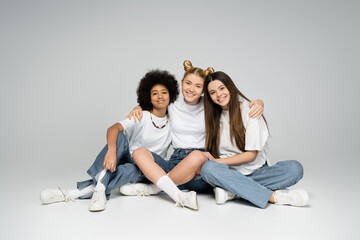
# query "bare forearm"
(111, 137)
(238, 159)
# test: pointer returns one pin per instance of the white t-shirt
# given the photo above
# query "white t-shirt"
(187, 124)
(256, 137)
(144, 134)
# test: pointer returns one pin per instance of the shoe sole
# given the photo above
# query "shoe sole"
(96, 210)
(51, 202)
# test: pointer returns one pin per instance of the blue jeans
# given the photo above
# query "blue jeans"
(256, 187)
(197, 183)
(126, 170)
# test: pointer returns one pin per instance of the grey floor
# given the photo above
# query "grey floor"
(330, 215)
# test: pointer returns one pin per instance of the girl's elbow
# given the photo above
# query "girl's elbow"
(252, 155)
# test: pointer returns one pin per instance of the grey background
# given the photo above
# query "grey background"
(69, 70)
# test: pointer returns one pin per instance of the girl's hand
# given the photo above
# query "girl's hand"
(209, 156)
(110, 161)
(136, 113)
(257, 110)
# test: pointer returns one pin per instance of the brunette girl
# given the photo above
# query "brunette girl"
(237, 148)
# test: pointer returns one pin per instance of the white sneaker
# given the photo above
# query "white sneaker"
(222, 195)
(137, 189)
(296, 197)
(187, 199)
(98, 201)
(54, 195)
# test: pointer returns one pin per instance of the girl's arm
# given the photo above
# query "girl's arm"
(111, 137)
(242, 158)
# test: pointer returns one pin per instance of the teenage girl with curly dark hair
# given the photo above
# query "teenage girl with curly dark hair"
(114, 166)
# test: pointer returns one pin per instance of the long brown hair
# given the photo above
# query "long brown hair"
(213, 112)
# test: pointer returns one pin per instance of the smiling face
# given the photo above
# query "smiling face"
(219, 94)
(160, 97)
(192, 87)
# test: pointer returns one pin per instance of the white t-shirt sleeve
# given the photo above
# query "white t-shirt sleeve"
(129, 126)
(256, 133)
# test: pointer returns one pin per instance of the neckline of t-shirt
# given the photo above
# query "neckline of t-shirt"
(154, 117)
(182, 101)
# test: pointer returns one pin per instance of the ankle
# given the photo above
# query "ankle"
(272, 197)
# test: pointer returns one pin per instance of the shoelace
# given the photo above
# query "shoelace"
(96, 196)
(179, 204)
(143, 194)
(284, 198)
(185, 200)
(181, 201)
(65, 196)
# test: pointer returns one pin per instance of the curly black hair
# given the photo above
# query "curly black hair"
(151, 79)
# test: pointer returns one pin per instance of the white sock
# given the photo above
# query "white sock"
(76, 193)
(100, 186)
(168, 186)
(153, 189)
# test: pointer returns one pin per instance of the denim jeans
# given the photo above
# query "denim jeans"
(197, 183)
(256, 187)
(126, 170)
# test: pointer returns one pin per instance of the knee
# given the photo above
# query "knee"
(207, 169)
(194, 161)
(139, 154)
(295, 170)
(197, 158)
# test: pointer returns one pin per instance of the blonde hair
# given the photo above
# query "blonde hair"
(195, 70)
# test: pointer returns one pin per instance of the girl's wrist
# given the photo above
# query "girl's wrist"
(111, 149)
